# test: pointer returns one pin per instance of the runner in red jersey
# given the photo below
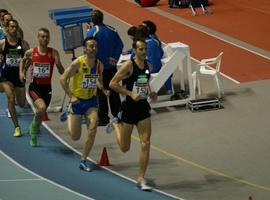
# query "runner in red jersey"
(42, 60)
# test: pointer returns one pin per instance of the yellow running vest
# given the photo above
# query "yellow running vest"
(84, 82)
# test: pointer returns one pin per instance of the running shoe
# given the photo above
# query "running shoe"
(63, 116)
(142, 185)
(17, 132)
(33, 140)
(109, 126)
(84, 165)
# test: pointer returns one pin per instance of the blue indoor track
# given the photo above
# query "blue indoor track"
(54, 161)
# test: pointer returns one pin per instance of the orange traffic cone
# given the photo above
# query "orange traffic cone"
(104, 160)
(45, 118)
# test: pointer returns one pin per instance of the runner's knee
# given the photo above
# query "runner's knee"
(124, 148)
(145, 145)
(41, 111)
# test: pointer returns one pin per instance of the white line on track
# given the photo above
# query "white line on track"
(42, 178)
(19, 180)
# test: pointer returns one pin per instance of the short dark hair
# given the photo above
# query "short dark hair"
(132, 31)
(151, 26)
(96, 17)
(134, 44)
(142, 32)
(3, 11)
(87, 39)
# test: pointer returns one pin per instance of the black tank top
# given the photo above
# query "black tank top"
(12, 56)
(138, 82)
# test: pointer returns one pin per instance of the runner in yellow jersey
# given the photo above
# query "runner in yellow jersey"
(86, 75)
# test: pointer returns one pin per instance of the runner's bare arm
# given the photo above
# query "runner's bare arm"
(25, 63)
(57, 62)
(123, 72)
(68, 73)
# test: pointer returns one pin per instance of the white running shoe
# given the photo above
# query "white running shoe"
(142, 185)
(109, 127)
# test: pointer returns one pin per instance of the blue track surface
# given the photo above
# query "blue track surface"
(54, 161)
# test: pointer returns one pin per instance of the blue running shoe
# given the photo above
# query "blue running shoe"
(84, 165)
(63, 116)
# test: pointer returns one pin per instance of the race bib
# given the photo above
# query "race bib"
(89, 81)
(141, 86)
(13, 60)
(41, 69)
(141, 89)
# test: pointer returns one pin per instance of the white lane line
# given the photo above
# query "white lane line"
(42, 178)
(18, 180)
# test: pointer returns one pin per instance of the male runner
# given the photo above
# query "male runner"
(12, 49)
(134, 74)
(42, 59)
(86, 75)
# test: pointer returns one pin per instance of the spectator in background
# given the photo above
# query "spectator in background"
(131, 33)
(110, 47)
(152, 30)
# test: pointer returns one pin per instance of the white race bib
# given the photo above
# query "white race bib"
(89, 81)
(41, 69)
(13, 60)
(141, 89)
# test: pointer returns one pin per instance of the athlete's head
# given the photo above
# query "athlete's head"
(6, 17)
(140, 48)
(142, 32)
(96, 17)
(2, 13)
(90, 47)
(12, 27)
(151, 26)
(43, 37)
(132, 32)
